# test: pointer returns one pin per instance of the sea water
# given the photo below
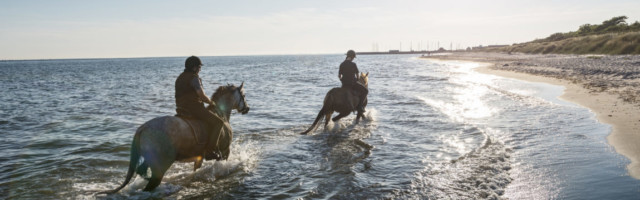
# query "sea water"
(433, 130)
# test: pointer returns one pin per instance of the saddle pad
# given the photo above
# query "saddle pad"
(198, 129)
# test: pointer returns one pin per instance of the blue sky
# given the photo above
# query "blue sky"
(105, 29)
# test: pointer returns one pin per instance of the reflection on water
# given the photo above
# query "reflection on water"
(434, 129)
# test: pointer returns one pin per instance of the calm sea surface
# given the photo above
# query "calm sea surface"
(439, 130)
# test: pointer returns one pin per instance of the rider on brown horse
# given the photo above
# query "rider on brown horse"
(348, 75)
(190, 98)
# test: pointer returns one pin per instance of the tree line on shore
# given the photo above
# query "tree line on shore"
(613, 25)
(613, 36)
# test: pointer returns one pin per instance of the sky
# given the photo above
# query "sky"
(121, 29)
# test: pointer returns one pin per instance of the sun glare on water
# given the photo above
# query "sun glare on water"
(467, 95)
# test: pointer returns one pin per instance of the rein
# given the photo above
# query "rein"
(217, 111)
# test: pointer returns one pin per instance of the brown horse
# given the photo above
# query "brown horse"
(340, 100)
(164, 140)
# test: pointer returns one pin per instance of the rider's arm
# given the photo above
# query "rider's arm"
(357, 71)
(197, 85)
(203, 97)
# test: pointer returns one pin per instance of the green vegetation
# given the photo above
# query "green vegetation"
(594, 57)
(613, 36)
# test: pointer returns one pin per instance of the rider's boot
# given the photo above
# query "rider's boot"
(211, 154)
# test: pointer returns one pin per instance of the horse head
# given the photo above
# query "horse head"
(364, 79)
(230, 97)
(241, 103)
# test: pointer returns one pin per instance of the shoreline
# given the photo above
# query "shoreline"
(623, 117)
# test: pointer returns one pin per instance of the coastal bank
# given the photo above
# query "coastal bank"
(607, 85)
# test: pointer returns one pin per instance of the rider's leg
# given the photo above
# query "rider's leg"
(213, 123)
(362, 91)
(205, 115)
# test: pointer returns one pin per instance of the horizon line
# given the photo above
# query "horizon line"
(140, 57)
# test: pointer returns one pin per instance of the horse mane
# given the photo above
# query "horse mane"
(363, 78)
(222, 90)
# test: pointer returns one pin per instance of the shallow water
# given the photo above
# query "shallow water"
(438, 130)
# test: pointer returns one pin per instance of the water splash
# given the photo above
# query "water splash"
(482, 173)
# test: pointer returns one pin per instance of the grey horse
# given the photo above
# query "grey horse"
(164, 140)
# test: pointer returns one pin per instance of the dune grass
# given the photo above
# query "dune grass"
(611, 43)
(613, 36)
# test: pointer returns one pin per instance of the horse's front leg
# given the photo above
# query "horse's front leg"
(327, 117)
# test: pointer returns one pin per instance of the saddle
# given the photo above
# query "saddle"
(198, 128)
(351, 90)
(201, 133)
(355, 92)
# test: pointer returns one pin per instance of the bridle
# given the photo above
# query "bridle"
(242, 101)
(237, 92)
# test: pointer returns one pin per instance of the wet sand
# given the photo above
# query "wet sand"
(608, 85)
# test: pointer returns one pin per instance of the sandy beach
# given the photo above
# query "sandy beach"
(608, 85)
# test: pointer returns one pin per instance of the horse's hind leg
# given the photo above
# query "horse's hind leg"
(340, 116)
(327, 117)
(142, 169)
(157, 172)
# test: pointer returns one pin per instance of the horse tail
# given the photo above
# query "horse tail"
(133, 162)
(318, 118)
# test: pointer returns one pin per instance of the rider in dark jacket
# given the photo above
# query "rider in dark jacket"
(348, 75)
(190, 97)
